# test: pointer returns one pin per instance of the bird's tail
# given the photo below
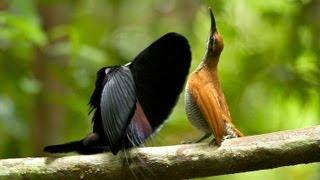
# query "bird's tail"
(232, 130)
(64, 148)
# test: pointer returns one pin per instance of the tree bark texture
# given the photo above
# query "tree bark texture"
(176, 162)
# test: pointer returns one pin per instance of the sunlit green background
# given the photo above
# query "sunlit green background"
(50, 52)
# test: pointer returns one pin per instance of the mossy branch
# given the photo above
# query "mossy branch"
(176, 162)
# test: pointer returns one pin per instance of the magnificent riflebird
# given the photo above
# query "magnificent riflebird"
(205, 104)
(132, 101)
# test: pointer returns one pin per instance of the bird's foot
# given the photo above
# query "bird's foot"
(205, 136)
(186, 142)
(228, 137)
(213, 142)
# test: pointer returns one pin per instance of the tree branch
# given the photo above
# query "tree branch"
(176, 162)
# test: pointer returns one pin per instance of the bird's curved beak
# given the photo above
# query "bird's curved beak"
(213, 22)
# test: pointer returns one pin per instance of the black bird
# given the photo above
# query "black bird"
(130, 102)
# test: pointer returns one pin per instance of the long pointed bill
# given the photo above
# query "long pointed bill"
(213, 22)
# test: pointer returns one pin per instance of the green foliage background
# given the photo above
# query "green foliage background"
(50, 52)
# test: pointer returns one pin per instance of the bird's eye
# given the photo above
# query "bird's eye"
(212, 40)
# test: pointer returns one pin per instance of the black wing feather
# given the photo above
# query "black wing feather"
(160, 72)
(96, 95)
(117, 105)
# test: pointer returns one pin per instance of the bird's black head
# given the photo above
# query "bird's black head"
(215, 42)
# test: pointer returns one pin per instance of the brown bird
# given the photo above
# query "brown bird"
(205, 104)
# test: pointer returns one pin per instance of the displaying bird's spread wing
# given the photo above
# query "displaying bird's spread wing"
(131, 101)
(206, 97)
(160, 72)
(118, 100)
(94, 102)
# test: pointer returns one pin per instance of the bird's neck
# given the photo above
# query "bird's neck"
(210, 61)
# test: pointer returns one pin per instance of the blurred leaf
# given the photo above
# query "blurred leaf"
(21, 28)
